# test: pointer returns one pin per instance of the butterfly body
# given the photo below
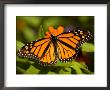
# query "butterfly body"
(56, 45)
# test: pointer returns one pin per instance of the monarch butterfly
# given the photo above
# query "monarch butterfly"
(56, 44)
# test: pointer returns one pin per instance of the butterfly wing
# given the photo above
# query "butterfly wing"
(68, 44)
(41, 50)
(46, 53)
(49, 56)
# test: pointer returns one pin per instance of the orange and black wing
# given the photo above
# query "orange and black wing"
(41, 50)
(68, 44)
(49, 56)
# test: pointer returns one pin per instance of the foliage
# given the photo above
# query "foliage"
(30, 28)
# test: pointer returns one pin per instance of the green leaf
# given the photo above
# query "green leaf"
(80, 68)
(77, 69)
(88, 47)
(32, 70)
(86, 71)
(19, 45)
(65, 70)
(19, 70)
(24, 60)
(50, 72)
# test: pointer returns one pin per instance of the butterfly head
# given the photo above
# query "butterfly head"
(54, 32)
(53, 38)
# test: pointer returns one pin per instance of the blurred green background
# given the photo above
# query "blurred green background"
(30, 28)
